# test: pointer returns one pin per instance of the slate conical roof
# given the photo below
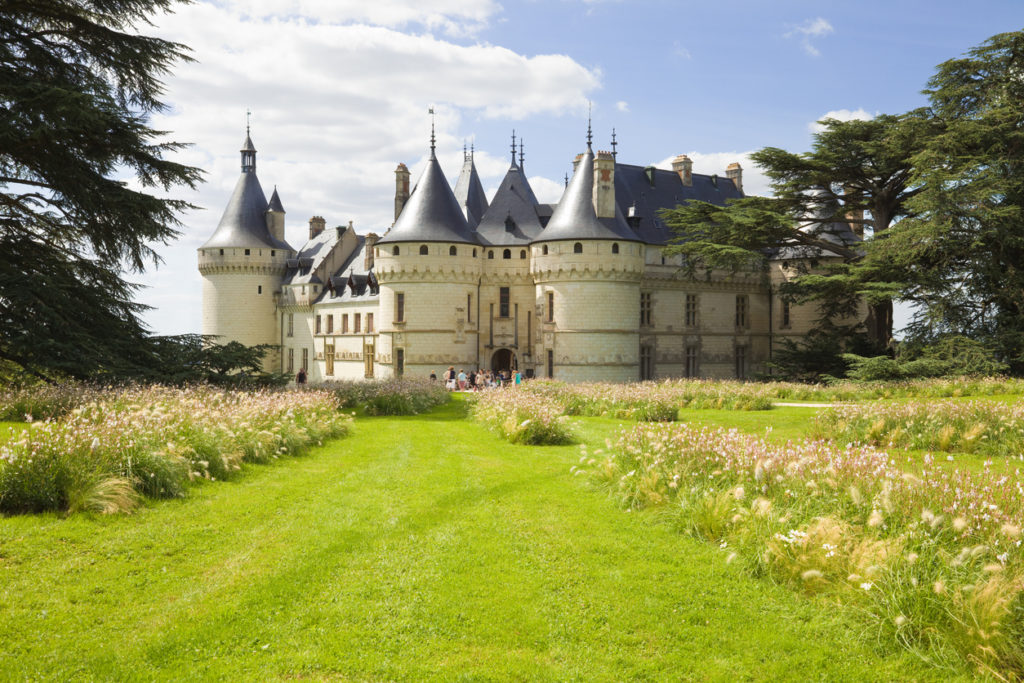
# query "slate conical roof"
(244, 222)
(575, 218)
(512, 215)
(469, 193)
(431, 214)
(275, 203)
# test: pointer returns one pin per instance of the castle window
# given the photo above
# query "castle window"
(503, 299)
(474, 253)
(369, 322)
(291, 361)
(646, 362)
(259, 289)
(246, 252)
(399, 362)
(544, 250)
(551, 363)
(399, 307)
(785, 313)
(221, 252)
(506, 254)
(742, 312)
(452, 251)
(273, 252)
(423, 250)
(551, 307)
(356, 323)
(329, 359)
(522, 253)
(469, 308)
(318, 324)
(291, 324)
(330, 324)
(344, 324)
(305, 359)
(741, 362)
(490, 253)
(691, 361)
(577, 248)
(615, 248)
(394, 250)
(645, 308)
(691, 310)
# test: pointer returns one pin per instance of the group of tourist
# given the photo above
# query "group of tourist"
(477, 380)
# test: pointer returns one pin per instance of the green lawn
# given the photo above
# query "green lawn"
(418, 548)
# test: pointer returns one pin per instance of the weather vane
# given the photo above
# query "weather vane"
(248, 114)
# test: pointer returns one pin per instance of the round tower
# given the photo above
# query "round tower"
(587, 265)
(427, 265)
(243, 263)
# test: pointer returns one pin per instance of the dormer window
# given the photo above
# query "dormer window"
(510, 225)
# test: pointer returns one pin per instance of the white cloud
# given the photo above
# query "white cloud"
(812, 28)
(679, 51)
(451, 16)
(711, 163)
(547, 191)
(335, 107)
(622, 106)
(840, 115)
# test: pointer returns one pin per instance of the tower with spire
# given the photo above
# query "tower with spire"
(243, 262)
(587, 268)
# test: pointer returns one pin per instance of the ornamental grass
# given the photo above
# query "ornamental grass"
(106, 454)
(522, 417)
(396, 396)
(988, 428)
(934, 559)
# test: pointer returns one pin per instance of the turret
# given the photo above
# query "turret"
(587, 271)
(469, 192)
(242, 264)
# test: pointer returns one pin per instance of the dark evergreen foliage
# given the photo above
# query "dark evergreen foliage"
(81, 174)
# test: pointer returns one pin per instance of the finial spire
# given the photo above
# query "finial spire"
(465, 156)
(615, 151)
(567, 180)
(520, 152)
(590, 133)
(433, 139)
(513, 146)
(472, 150)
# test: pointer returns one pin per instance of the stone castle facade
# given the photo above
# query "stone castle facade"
(579, 290)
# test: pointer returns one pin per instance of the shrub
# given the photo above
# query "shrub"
(521, 417)
(400, 396)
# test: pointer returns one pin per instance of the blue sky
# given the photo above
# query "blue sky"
(340, 90)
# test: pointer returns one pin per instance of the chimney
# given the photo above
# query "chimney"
(576, 162)
(734, 172)
(371, 240)
(316, 226)
(604, 185)
(855, 217)
(401, 188)
(684, 167)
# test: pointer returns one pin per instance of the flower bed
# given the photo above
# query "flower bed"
(522, 417)
(934, 558)
(152, 441)
(985, 427)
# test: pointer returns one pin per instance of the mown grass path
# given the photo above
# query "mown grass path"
(418, 548)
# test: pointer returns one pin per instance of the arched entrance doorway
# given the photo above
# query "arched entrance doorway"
(503, 359)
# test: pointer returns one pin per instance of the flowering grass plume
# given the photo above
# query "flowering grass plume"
(933, 557)
(397, 396)
(984, 427)
(654, 401)
(522, 417)
(153, 441)
(46, 401)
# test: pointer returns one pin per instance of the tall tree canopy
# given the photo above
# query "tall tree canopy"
(960, 256)
(857, 174)
(77, 86)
